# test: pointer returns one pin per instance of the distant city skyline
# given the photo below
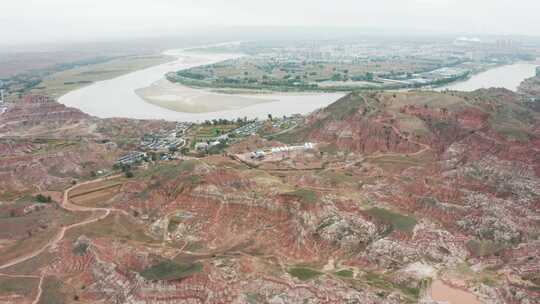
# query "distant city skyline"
(37, 21)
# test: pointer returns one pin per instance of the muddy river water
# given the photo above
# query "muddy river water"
(118, 98)
(121, 96)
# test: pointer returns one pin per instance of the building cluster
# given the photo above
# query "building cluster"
(445, 74)
(204, 146)
(132, 158)
(182, 127)
(165, 143)
(246, 130)
(261, 154)
(249, 129)
(3, 106)
(151, 142)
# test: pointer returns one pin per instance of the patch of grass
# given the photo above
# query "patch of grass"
(330, 149)
(114, 226)
(169, 270)
(169, 170)
(397, 221)
(345, 106)
(396, 162)
(52, 292)
(326, 223)
(481, 248)
(380, 281)
(337, 178)
(173, 223)
(377, 280)
(304, 195)
(80, 249)
(303, 273)
(517, 134)
(84, 73)
(254, 298)
(345, 273)
(20, 286)
(187, 165)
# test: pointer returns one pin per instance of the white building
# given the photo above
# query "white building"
(202, 146)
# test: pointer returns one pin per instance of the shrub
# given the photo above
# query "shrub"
(169, 270)
(397, 221)
(303, 273)
(40, 198)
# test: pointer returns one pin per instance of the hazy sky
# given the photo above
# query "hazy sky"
(30, 21)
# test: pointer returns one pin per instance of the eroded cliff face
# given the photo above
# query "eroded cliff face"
(46, 145)
(39, 112)
(531, 87)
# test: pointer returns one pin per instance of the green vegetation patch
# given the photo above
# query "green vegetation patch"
(397, 221)
(187, 165)
(345, 273)
(20, 286)
(174, 222)
(168, 270)
(80, 249)
(52, 292)
(383, 282)
(170, 171)
(303, 273)
(345, 106)
(40, 198)
(304, 195)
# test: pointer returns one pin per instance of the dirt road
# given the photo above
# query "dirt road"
(67, 205)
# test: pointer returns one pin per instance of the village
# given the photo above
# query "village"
(211, 137)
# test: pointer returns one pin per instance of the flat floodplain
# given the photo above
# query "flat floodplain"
(118, 97)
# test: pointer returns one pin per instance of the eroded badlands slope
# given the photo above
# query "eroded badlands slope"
(408, 188)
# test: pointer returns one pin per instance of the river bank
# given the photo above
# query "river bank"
(506, 76)
(145, 94)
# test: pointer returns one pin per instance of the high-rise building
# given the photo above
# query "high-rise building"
(538, 71)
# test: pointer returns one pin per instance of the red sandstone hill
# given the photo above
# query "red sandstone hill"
(46, 145)
(416, 121)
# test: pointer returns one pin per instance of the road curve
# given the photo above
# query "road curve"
(65, 204)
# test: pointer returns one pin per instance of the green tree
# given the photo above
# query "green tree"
(369, 76)
(40, 198)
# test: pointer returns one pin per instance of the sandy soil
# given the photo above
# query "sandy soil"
(189, 100)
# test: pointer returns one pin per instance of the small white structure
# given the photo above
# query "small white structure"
(202, 146)
(215, 143)
(308, 146)
(259, 154)
(223, 138)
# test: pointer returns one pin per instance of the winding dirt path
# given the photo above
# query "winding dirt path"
(40, 290)
(67, 205)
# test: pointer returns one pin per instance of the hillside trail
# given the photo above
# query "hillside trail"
(66, 205)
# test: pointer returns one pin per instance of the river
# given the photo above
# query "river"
(117, 97)
(506, 76)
